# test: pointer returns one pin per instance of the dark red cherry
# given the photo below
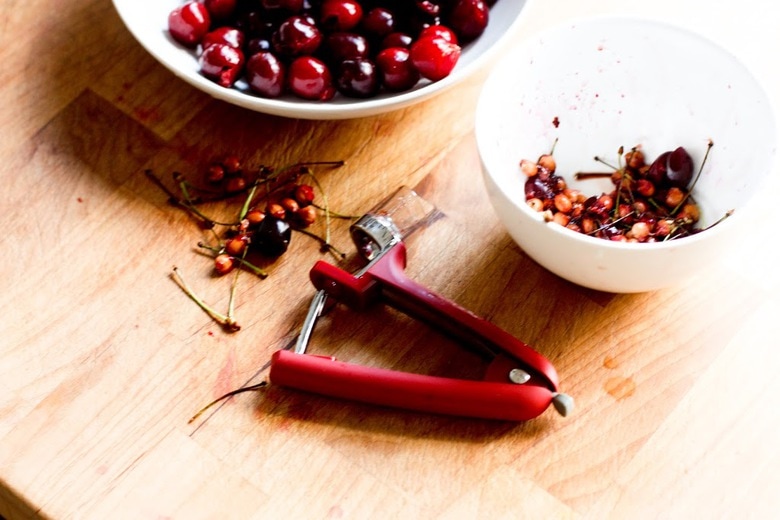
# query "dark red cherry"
(265, 74)
(396, 70)
(272, 237)
(309, 78)
(434, 57)
(340, 15)
(539, 188)
(296, 36)
(293, 6)
(221, 63)
(340, 46)
(378, 22)
(468, 19)
(220, 9)
(679, 168)
(657, 171)
(397, 39)
(189, 23)
(357, 78)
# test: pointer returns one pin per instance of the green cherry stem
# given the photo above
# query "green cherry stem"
(262, 273)
(324, 243)
(226, 321)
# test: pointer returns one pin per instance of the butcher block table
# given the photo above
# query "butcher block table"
(104, 359)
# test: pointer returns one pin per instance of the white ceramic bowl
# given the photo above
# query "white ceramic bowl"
(147, 20)
(613, 81)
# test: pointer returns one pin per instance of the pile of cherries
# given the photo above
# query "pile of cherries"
(650, 202)
(316, 48)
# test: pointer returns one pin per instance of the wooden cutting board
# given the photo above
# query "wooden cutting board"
(103, 358)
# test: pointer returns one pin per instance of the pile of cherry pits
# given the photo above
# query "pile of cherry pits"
(267, 225)
(315, 49)
(650, 202)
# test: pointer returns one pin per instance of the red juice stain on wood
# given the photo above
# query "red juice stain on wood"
(224, 383)
(620, 387)
(147, 115)
(610, 363)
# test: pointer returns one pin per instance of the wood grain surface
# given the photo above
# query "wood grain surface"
(103, 359)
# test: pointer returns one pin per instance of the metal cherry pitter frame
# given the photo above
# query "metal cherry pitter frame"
(519, 383)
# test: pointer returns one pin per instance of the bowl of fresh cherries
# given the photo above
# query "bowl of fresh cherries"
(624, 154)
(321, 59)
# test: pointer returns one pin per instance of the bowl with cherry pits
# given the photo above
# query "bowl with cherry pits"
(321, 59)
(624, 154)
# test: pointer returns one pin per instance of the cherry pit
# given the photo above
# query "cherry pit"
(316, 49)
(649, 201)
(271, 203)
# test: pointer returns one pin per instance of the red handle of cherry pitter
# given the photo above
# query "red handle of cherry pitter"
(495, 397)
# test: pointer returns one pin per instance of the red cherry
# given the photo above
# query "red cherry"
(434, 57)
(189, 23)
(439, 31)
(309, 78)
(296, 36)
(340, 15)
(266, 74)
(226, 35)
(221, 63)
(396, 70)
(469, 18)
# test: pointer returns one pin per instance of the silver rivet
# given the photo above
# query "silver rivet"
(519, 376)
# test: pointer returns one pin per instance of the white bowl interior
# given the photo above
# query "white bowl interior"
(612, 81)
(147, 21)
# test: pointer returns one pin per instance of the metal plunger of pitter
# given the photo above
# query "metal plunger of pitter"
(519, 383)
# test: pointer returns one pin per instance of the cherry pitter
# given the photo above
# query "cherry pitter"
(519, 383)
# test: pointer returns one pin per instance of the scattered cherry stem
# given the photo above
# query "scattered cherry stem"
(591, 175)
(262, 273)
(241, 390)
(710, 144)
(605, 163)
(226, 321)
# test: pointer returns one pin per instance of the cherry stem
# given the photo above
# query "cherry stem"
(591, 175)
(721, 219)
(325, 204)
(247, 202)
(552, 148)
(610, 223)
(710, 144)
(226, 321)
(620, 182)
(232, 298)
(244, 262)
(325, 244)
(175, 200)
(241, 390)
(336, 215)
(605, 163)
